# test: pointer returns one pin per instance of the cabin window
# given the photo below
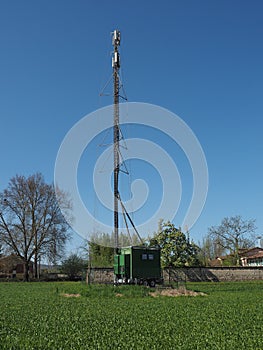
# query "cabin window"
(144, 256)
(150, 256)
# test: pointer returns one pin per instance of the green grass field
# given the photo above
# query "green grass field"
(40, 316)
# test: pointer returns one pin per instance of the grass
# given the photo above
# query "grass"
(39, 316)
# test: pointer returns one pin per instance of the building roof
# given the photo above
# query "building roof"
(252, 253)
(244, 253)
(258, 255)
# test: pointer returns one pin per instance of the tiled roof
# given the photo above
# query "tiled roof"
(255, 256)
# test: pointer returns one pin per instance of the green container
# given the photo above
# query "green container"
(137, 264)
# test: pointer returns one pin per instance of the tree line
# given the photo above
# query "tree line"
(33, 228)
(177, 250)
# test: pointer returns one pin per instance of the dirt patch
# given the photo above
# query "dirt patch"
(119, 295)
(66, 295)
(175, 293)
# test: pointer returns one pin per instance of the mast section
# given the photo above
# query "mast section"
(116, 132)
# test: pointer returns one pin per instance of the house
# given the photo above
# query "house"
(252, 257)
(12, 266)
(248, 257)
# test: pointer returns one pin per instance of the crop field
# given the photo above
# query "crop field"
(76, 316)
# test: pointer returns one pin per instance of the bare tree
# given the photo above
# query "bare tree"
(31, 224)
(210, 249)
(233, 234)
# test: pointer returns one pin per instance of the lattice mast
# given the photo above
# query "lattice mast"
(116, 132)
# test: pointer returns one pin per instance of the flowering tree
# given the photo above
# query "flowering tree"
(176, 249)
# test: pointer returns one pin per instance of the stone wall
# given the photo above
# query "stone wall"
(187, 274)
(215, 274)
(100, 275)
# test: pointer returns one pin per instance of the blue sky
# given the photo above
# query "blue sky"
(200, 59)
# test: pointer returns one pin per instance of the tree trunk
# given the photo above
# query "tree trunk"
(26, 271)
(237, 251)
(35, 266)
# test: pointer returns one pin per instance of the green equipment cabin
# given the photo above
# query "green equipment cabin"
(138, 265)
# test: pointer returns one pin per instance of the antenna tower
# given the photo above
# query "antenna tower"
(116, 38)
